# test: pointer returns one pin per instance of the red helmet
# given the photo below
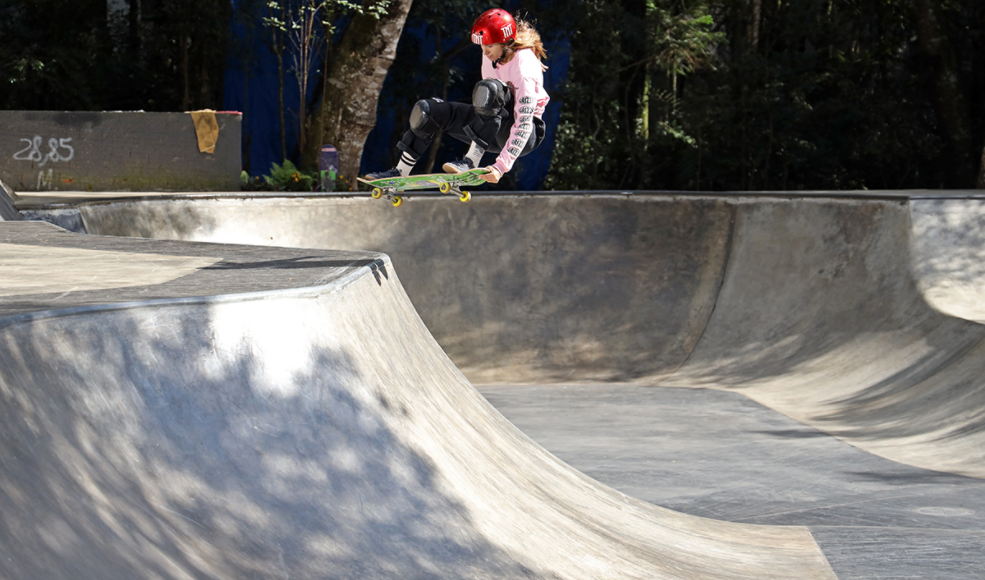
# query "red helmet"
(494, 26)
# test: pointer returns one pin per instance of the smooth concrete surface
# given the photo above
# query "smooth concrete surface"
(285, 413)
(150, 270)
(720, 455)
(949, 264)
(820, 318)
(828, 349)
(514, 288)
(43, 270)
(814, 307)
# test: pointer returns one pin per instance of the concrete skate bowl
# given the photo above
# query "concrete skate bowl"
(853, 314)
(310, 432)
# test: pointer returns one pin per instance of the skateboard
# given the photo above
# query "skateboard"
(388, 188)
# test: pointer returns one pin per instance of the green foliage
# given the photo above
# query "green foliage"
(681, 42)
(256, 183)
(289, 16)
(287, 177)
(837, 94)
(600, 99)
(58, 55)
(577, 157)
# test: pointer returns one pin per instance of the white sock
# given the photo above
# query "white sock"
(406, 164)
(475, 154)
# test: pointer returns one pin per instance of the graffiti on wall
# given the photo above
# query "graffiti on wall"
(59, 150)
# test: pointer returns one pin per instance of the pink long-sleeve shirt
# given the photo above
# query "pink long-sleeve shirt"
(525, 77)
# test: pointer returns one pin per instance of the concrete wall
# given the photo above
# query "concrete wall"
(115, 151)
(523, 289)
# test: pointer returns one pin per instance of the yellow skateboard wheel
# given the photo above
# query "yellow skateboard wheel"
(444, 187)
(377, 193)
(397, 202)
(465, 196)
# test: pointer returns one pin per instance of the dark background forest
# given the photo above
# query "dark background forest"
(658, 94)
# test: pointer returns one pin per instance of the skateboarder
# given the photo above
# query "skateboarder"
(505, 115)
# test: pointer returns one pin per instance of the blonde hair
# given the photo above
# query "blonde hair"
(526, 37)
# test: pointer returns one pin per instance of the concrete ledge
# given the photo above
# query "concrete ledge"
(7, 210)
(116, 151)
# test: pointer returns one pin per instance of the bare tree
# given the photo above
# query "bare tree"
(305, 22)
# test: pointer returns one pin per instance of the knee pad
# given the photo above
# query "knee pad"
(421, 122)
(490, 97)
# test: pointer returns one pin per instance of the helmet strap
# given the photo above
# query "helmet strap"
(506, 51)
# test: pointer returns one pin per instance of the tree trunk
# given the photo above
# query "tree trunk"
(133, 29)
(356, 79)
(757, 17)
(981, 172)
(185, 94)
(951, 110)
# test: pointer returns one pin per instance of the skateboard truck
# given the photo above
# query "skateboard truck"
(462, 195)
(389, 193)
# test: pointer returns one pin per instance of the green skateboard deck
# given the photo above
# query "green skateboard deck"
(444, 182)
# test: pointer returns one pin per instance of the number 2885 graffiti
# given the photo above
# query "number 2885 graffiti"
(58, 150)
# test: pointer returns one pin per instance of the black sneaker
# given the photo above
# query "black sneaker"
(388, 174)
(456, 167)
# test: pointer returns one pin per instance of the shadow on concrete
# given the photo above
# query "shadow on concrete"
(138, 444)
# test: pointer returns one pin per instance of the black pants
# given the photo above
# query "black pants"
(454, 118)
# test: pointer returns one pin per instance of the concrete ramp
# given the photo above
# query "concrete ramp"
(853, 314)
(949, 255)
(515, 289)
(820, 317)
(284, 413)
(7, 210)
